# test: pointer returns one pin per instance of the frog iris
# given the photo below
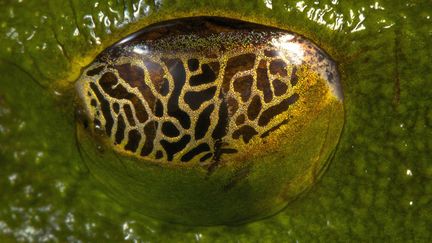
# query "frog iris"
(207, 121)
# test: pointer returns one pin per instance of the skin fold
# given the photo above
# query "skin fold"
(377, 187)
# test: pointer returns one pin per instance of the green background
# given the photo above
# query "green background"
(377, 188)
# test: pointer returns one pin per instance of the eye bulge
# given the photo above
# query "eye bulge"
(379, 170)
(204, 81)
(219, 97)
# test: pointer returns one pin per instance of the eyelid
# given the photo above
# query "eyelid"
(54, 45)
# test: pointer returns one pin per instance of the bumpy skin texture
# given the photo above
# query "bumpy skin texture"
(219, 96)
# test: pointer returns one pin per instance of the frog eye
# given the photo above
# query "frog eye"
(226, 99)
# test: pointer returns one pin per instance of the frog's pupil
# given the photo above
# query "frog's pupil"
(195, 89)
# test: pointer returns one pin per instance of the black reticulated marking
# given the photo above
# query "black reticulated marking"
(159, 110)
(172, 148)
(156, 74)
(254, 108)
(206, 157)
(204, 147)
(275, 110)
(216, 155)
(148, 96)
(177, 71)
(193, 64)
(219, 149)
(159, 154)
(280, 88)
(116, 107)
(203, 122)
(150, 130)
(221, 127)
(195, 98)
(170, 130)
(240, 119)
(105, 107)
(232, 106)
(93, 102)
(134, 76)
(134, 138)
(263, 82)
(234, 65)
(208, 75)
(129, 115)
(294, 77)
(246, 132)
(164, 87)
(278, 67)
(243, 85)
(108, 82)
(95, 71)
(119, 136)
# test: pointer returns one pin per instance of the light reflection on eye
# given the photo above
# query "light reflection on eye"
(141, 50)
(294, 52)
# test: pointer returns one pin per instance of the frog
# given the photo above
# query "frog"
(377, 186)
